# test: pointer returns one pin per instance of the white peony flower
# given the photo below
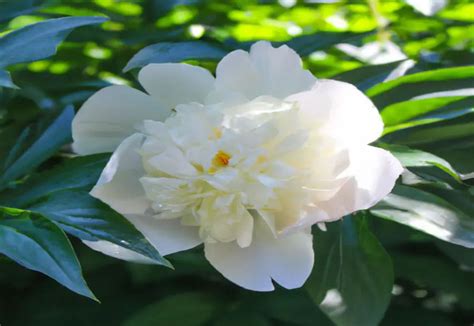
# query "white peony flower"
(245, 162)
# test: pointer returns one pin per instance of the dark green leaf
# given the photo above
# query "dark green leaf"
(78, 172)
(87, 218)
(428, 213)
(38, 244)
(444, 275)
(295, 307)
(463, 256)
(55, 136)
(175, 52)
(368, 76)
(353, 276)
(12, 9)
(307, 44)
(190, 309)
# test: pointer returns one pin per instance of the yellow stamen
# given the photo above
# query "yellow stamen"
(221, 159)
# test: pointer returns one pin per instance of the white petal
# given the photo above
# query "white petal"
(287, 259)
(281, 68)
(176, 83)
(119, 185)
(113, 250)
(167, 236)
(341, 110)
(265, 70)
(374, 172)
(111, 115)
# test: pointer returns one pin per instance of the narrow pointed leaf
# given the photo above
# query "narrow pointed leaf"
(38, 244)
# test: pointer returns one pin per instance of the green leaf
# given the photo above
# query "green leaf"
(175, 52)
(427, 108)
(38, 244)
(415, 158)
(307, 44)
(463, 256)
(451, 139)
(38, 41)
(444, 275)
(368, 76)
(294, 307)
(87, 218)
(190, 309)
(55, 136)
(353, 276)
(12, 9)
(428, 213)
(407, 87)
(78, 172)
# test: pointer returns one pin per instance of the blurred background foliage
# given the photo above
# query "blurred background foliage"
(434, 283)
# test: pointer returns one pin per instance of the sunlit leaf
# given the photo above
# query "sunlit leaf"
(428, 213)
(40, 40)
(415, 158)
(407, 87)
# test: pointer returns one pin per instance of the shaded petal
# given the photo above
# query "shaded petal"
(340, 110)
(113, 250)
(176, 83)
(111, 115)
(167, 236)
(373, 174)
(264, 70)
(287, 259)
(119, 184)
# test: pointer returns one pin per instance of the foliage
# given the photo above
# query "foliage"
(368, 270)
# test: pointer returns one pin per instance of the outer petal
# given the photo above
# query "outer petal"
(287, 259)
(113, 250)
(264, 71)
(111, 115)
(374, 172)
(341, 110)
(176, 83)
(167, 236)
(119, 186)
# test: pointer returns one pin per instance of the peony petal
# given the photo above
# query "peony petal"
(119, 185)
(287, 259)
(111, 115)
(167, 236)
(265, 70)
(113, 250)
(282, 70)
(341, 110)
(374, 172)
(176, 83)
